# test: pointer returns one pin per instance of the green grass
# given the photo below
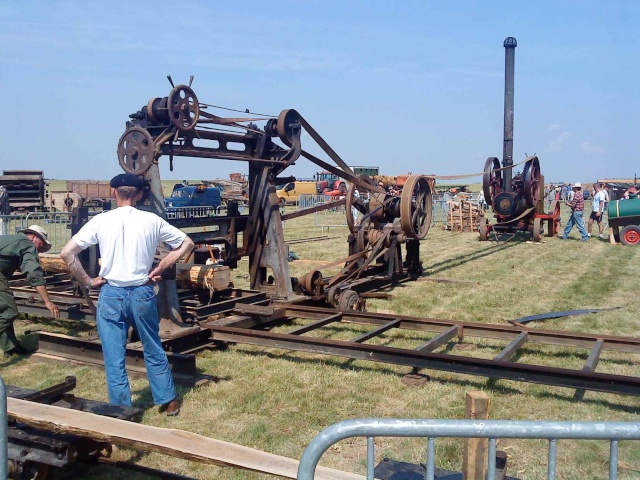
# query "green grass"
(278, 400)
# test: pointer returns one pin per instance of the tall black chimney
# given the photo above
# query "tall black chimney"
(510, 45)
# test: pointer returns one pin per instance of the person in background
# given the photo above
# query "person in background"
(577, 209)
(630, 192)
(128, 238)
(20, 251)
(354, 210)
(551, 195)
(597, 210)
(481, 202)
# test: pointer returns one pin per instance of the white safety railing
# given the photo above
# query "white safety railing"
(491, 429)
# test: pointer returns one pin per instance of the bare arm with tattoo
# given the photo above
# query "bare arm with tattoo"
(70, 256)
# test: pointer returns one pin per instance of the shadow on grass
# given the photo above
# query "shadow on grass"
(469, 257)
(490, 384)
(68, 327)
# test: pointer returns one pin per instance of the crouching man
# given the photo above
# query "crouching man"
(20, 251)
(127, 238)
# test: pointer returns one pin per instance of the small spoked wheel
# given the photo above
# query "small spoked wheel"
(136, 151)
(184, 109)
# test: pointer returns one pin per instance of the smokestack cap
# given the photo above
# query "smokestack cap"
(510, 42)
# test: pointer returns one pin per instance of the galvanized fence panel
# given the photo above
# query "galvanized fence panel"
(306, 201)
(194, 212)
(326, 219)
(552, 431)
(55, 223)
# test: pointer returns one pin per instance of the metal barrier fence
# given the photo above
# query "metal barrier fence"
(491, 429)
(306, 201)
(440, 210)
(194, 212)
(334, 217)
(55, 223)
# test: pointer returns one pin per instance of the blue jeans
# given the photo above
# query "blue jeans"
(576, 218)
(119, 307)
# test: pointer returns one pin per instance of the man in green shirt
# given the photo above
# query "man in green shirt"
(20, 251)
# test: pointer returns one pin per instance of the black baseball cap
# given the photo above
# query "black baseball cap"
(128, 180)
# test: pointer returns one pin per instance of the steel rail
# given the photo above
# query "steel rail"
(475, 329)
(561, 377)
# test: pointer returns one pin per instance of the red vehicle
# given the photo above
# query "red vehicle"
(328, 183)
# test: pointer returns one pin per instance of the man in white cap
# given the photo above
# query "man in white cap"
(577, 210)
(20, 251)
(128, 238)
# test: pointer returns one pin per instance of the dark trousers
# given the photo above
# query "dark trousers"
(8, 313)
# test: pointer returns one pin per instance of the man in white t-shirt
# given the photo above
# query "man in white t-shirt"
(128, 238)
(597, 208)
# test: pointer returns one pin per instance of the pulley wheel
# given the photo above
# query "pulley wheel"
(333, 295)
(136, 152)
(362, 236)
(415, 207)
(348, 301)
(492, 179)
(286, 119)
(309, 281)
(184, 109)
(532, 181)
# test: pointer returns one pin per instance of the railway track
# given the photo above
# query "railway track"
(247, 317)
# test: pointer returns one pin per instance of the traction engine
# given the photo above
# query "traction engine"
(517, 200)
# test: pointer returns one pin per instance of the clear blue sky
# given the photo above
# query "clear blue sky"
(411, 86)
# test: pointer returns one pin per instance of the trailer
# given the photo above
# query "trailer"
(93, 194)
(624, 221)
(25, 189)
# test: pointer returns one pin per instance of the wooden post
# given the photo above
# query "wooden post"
(474, 464)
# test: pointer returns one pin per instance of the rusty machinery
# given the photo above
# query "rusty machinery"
(179, 125)
(517, 200)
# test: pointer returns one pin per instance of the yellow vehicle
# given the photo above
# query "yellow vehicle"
(290, 192)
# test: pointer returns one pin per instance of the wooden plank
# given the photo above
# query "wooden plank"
(176, 443)
(510, 350)
(474, 462)
(438, 340)
(594, 357)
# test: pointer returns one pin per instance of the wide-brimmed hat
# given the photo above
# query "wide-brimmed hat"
(576, 185)
(41, 233)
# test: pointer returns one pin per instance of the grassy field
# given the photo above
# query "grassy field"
(278, 400)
